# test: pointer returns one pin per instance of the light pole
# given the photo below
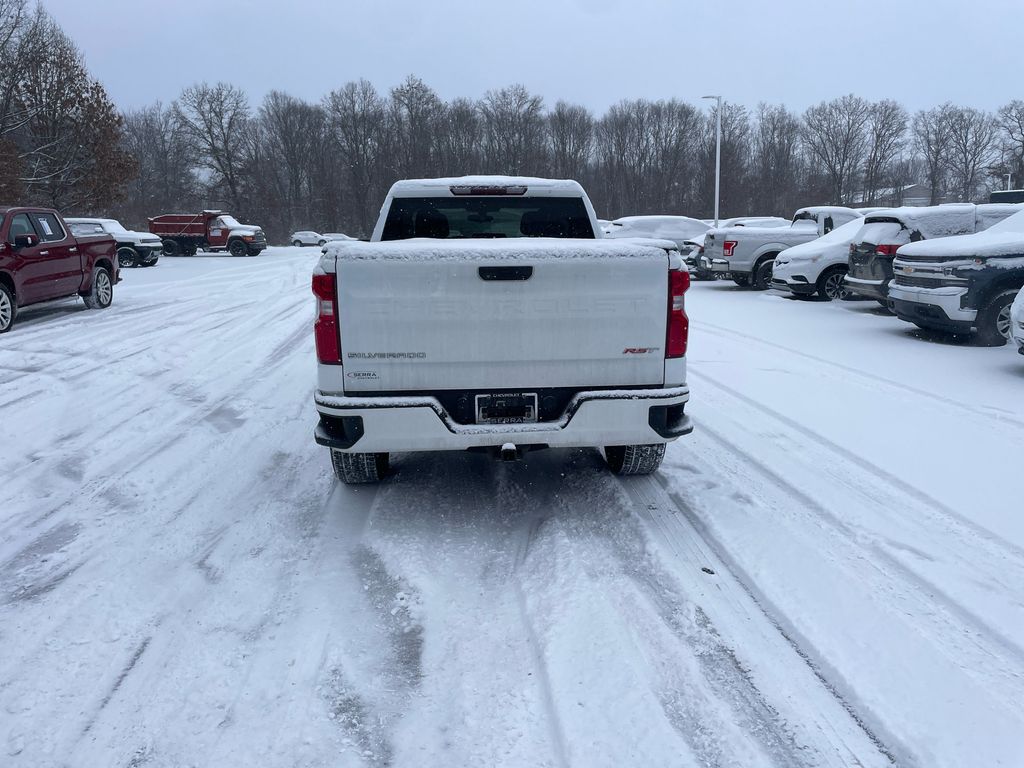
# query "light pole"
(1009, 180)
(718, 150)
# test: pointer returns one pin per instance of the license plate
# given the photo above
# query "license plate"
(508, 408)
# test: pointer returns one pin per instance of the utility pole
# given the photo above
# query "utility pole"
(718, 151)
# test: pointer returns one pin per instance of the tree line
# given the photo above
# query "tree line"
(293, 164)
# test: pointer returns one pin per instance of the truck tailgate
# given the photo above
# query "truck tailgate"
(422, 315)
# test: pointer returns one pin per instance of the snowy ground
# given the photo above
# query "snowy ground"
(829, 572)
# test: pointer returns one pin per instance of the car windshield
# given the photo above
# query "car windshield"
(114, 227)
(883, 233)
(229, 221)
(487, 217)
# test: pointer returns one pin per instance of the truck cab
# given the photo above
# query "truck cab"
(487, 314)
(41, 260)
(746, 254)
(134, 249)
(185, 234)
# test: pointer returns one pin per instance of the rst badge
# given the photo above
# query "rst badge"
(640, 350)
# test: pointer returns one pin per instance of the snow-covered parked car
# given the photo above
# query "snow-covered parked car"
(307, 237)
(686, 233)
(884, 232)
(1017, 321)
(134, 249)
(746, 253)
(817, 267)
(487, 313)
(963, 284)
(329, 236)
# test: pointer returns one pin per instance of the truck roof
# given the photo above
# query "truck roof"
(442, 186)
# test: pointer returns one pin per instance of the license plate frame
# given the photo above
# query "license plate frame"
(506, 408)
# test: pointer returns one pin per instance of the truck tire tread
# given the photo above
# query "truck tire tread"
(634, 459)
(357, 468)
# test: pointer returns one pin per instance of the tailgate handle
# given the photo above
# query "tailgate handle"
(505, 273)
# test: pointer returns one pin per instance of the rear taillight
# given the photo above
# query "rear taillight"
(728, 247)
(325, 330)
(678, 323)
(853, 248)
(886, 250)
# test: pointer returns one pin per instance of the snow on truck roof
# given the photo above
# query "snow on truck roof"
(517, 248)
(1005, 238)
(947, 220)
(531, 184)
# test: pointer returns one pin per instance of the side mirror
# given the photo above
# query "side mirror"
(25, 241)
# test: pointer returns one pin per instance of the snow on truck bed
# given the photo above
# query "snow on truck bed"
(1005, 238)
(498, 249)
(827, 573)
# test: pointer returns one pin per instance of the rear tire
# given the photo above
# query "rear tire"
(8, 309)
(171, 248)
(994, 323)
(297, 243)
(762, 276)
(237, 248)
(741, 280)
(634, 459)
(831, 286)
(101, 294)
(356, 468)
(127, 257)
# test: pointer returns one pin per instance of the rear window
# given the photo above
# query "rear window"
(80, 230)
(486, 217)
(884, 233)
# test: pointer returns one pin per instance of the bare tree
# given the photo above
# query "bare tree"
(886, 128)
(571, 138)
(735, 187)
(166, 161)
(932, 141)
(1010, 121)
(972, 143)
(22, 46)
(836, 138)
(514, 130)
(217, 119)
(460, 139)
(69, 145)
(414, 114)
(776, 161)
(291, 139)
(356, 114)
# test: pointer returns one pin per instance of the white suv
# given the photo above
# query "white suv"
(817, 267)
(307, 238)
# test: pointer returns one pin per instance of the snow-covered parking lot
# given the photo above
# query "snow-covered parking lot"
(828, 572)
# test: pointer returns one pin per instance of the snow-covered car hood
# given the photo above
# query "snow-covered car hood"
(142, 237)
(245, 229)
(833, 247)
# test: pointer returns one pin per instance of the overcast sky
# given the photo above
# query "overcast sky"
(593, 52)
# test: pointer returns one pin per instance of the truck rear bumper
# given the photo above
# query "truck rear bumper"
(875, 289)
(593, 419)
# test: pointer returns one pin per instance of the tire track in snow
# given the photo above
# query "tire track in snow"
(1001, 418)
(1001, 562)
(694, 544)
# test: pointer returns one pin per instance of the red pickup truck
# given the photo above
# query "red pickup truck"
(186, 233)
(41, 260)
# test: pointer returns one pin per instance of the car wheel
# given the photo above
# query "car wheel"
(171, 248)
(297, 243)
(634, 459)
(741, 280)
(762, 276)
(994, 321)
(237, 248)
(102, 291)
(322, 243)
(127, 257)
(355, 468)
(832, 284)
(8, 308)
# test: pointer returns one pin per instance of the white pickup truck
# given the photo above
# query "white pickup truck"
(487, 313)
(746, 254)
